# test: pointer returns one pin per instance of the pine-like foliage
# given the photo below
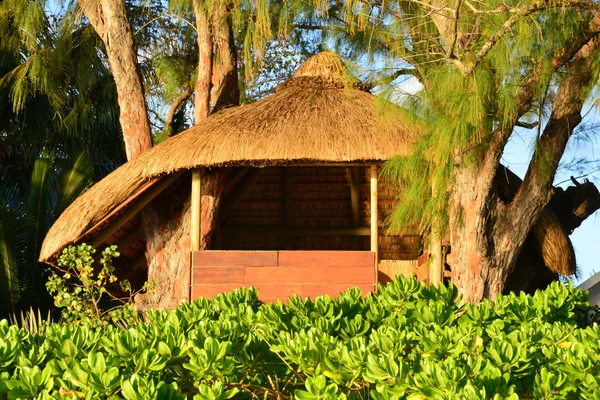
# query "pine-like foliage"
(470, 59)
(59, 132)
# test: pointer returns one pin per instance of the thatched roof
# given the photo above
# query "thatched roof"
(319, 115)
(550, 239)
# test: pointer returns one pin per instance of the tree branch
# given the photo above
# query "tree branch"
(517, 14)
(175, 106)
(536, 190)
(452, 44)
(527, 125)
(370, 84)
(523, 101)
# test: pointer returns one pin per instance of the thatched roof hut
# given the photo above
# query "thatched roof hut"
(319, 117)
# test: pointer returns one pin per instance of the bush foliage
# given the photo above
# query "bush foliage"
(407, 342)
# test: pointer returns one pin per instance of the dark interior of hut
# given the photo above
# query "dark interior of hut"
(309, 208)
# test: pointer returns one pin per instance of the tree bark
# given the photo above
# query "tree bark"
(205, 61)
(166, 225)
(487, 234)
(213, 185)
(109, 19)
(225, 90)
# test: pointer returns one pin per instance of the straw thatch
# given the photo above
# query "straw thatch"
(319, 115)
(551, 241)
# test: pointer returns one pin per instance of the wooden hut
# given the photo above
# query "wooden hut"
(282, 194)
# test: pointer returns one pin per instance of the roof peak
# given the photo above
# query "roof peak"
(328, 68)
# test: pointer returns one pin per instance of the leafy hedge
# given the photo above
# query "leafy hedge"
(409, 341)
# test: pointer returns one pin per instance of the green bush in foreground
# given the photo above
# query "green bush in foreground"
(408, 342)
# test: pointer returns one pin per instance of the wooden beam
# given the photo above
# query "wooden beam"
(335, 164)
(374, 219)
(196, 210)
(133, 209)
(251, 230)
(354, 173)
(131, 236)
(245, 185)
(235, 180)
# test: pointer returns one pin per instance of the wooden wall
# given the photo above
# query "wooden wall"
(280, 274)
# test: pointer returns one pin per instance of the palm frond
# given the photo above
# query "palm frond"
(13, 241)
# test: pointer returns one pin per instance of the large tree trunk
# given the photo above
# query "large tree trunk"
(205, 61)
(166, 225)
(168, 228)
(109, 19)
(487, 234)
(225, 90)
(478, 270)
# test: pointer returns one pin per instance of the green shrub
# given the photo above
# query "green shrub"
(82, 294)
(407, 342)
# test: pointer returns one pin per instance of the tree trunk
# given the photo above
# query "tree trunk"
(166, 225)
(225, 90)
(213, 186)
(487, 234)
(168, 228)
(477, 269)
(109, 19)
(205, 61)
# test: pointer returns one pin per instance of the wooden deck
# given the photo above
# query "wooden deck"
(280, 274)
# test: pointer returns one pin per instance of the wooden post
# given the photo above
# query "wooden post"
(436, 271)
(196, 210)
(196, 213)
(374, 220)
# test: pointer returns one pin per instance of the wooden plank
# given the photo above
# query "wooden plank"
(141, 200)
(212, 275)
(223, 258)
(300, 230)
(374, 214)
(333, 290)
(270, 293)
(283, 275)
(321, 259)
(211, 290)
